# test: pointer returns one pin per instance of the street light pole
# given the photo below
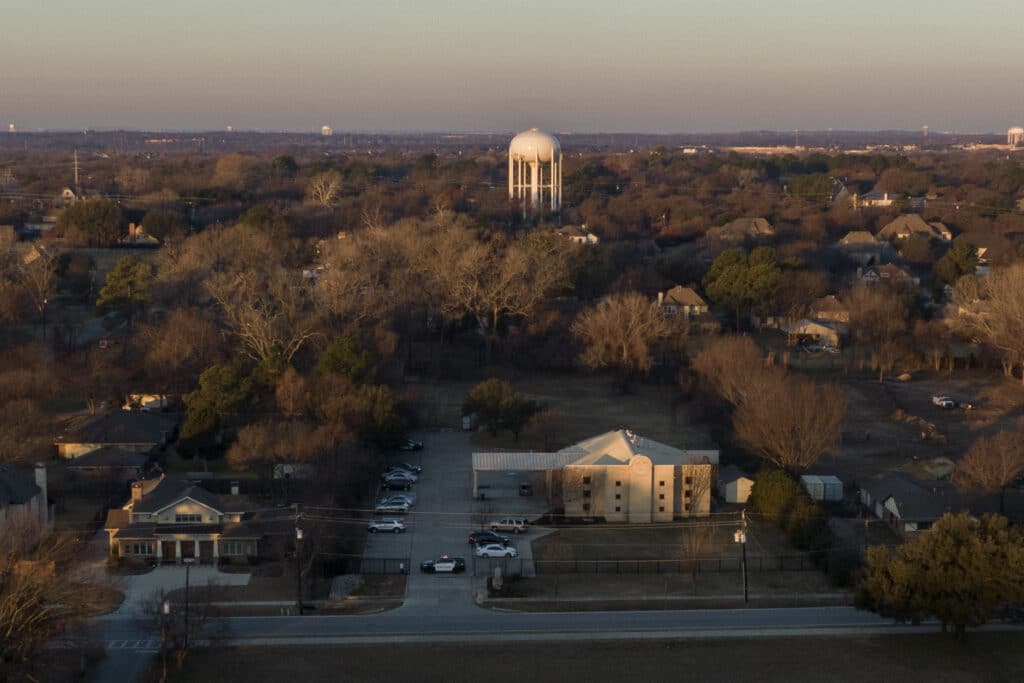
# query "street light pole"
(298, 569)
(741, 538)
(165, 612)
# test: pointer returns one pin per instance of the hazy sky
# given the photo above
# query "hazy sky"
(482, 65)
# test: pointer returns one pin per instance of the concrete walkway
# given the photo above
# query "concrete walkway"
(142, 591)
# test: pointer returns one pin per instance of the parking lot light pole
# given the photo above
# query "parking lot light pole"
(741, 538)
(165, 613)
(298, 569)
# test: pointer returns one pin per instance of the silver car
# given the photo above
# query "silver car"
(395, 526)
(391, 506)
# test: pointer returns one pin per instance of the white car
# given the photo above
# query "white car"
(943, 402)
(516, 525)
(395, 526)
(496, 550)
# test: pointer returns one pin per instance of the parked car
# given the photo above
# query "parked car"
(444, 563)
(405, 497)
(966, 405)
(397, 484)
(391, 506)
(496, 550)
(410, 445)
(516, 525)
(478, 537)
(400, 474)
(943, 402)
(404, 467)
(395, 526)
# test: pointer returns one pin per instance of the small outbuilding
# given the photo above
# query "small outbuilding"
(822, 487)
(734, 485)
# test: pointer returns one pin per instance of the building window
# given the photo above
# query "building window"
(231, 548)
(138, 548)
(586, 507)
(618, 483)
(687, 507)
(661, 508)
(661, 483)
(188, 519)
(586, 493)
(689, 480)
(686, 493)
(618, 496)
(618, 509)
(586, 481)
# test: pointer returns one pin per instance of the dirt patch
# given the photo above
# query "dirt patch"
(933, 658)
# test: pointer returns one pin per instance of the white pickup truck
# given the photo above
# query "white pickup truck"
(943, 402)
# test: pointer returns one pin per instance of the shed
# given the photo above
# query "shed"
(734, 485)
(822, 487)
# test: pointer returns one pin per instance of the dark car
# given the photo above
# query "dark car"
(404, 467)
(410, 445)
(397, 484)
(444, 563)
(478, 537)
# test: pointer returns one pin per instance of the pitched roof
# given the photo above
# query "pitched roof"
(119, 427)
(828, 304)
(857, 238)
(742, 228)
(170, 490)
(916, 500)
(731, 473)
(17, 485)
(683, 296)
(110, 456)
(913, 224)
(620, 446)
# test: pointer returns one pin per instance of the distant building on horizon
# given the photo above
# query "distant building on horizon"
(535, 171)
(1015, 136)
(326, 131)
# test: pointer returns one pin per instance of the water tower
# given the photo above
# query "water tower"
(535, 170)
(1015, 136)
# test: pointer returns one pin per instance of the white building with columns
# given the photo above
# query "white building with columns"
(535, 171)
(1015, 136)
(170, 520)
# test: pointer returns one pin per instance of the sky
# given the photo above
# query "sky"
(654, 66)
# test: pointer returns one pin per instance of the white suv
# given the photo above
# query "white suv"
(516, 525)
(395, 526)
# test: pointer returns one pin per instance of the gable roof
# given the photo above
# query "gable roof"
(828, 304)
(170, 491)
(916, 500)
(620, 446)
(17, 486)
(742, 228)
(119, 427)
(856, 238)
(731, 473)
(912, 224)
(683, 296)
(110, 456)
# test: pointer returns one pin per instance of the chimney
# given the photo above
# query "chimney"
(661, 297)
(44, 507)
(234, 488)
(136, 491)
(131, 230)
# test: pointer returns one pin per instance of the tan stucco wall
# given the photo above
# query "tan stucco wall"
(639, 494)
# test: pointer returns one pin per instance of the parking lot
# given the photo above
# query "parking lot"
(441, 520)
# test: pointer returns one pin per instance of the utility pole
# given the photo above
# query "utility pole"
(76, 170)
(298, 560)
(188, 565)
(741, 538)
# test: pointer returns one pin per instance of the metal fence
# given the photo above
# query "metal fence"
(371, 565)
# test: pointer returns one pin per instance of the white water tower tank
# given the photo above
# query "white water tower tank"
(1015, 136)
(535, 170)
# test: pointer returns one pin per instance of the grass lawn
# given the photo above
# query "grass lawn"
(908, 659)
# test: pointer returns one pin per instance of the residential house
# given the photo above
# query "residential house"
(861, 247)
(138, 237)
(812, 331)
(128, 430)
(23, 496)
(618, 476)
(741, 229)
(682, 301)
(170, 520)
(908, 505)
(578, 234)
(841, 196)
(888, 274)
(734, 485)
(903, 226)
(876, 199)
(110, 463)
(829, 309)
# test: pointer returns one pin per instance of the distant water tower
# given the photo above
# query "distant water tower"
(326, 131)
(535, 170)
(1015, 136)
(11, 128)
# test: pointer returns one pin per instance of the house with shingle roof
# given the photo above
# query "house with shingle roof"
(741, 229)
(170, 520)
(128, 430)
(681, 301)
(902, 227)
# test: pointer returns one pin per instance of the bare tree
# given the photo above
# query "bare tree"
(696, 542)
(42, 594)
(292, 393)
(39, 279)
(183, 618)
(991, 464)
(992, 310)
(179, 347)
(792, 422)
(266, 311)
(879, 318)
(735, 369)
(621, 332)
(324, 187)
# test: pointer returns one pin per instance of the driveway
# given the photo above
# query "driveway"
(141, 591)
